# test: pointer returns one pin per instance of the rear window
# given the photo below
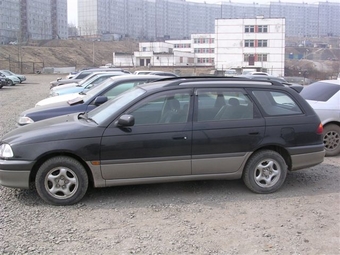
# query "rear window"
(319, 91)
(276, 103)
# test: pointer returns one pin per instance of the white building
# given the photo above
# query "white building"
(157, 54)
(240, 44)
(250, 44)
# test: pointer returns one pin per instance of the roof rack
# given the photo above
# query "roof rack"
(182, 79)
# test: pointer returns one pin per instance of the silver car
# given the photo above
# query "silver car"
(324, 97)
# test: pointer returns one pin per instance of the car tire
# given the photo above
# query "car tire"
(331, 139)
(61, 181)
(265, 172)
(10, 83)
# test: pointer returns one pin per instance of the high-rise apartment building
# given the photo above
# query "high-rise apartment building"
(178, 19)
(23, 20)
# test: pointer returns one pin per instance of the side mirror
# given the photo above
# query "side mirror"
(100, 100)
(126, 120)
(59, 79)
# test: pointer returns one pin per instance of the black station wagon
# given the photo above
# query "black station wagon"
(177, 129)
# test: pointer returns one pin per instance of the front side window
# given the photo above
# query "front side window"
(276, 103)
(170, 108)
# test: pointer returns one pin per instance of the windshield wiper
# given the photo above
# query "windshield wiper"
(82, 93)
(84, 115)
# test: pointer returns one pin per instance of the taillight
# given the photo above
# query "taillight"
(320, 129)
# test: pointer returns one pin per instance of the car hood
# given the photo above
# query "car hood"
(55, 129)
(45, 107)
(68, 85)
(58, 99)
(72, 90)
(12, 77)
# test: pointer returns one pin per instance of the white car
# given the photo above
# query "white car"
(324, 97)
(62, 98)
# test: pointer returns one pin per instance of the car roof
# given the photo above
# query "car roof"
(336, 82)
(201, 81)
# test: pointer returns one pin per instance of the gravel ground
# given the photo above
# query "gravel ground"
(207, 217)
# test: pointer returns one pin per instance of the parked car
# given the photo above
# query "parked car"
(11, 79)
(142, 72)
(84, 102)
(177, 129)
(20, 76)
(324, 97)
(162, 73)
(3, 81)
(84, 85)
(81, 75)
(230, 72)
(257, 73)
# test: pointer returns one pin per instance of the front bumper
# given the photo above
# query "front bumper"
(15, 174)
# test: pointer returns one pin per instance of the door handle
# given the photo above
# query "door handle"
(179, 137)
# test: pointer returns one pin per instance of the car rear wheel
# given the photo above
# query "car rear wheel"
(331, 139)
(61, 181)
(265, 172)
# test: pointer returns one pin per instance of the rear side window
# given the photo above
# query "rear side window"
(276, 103)
(220, 105)
(319, 91)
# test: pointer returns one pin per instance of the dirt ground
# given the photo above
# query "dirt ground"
(205, 217)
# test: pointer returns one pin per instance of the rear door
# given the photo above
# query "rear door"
(227, 127)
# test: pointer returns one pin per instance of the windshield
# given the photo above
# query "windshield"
(319, 91)
(105, 111)
(7, 72)
(97, 89)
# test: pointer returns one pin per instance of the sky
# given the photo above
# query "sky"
(72, 5)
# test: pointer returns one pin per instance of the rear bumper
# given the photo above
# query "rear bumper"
(307, 159)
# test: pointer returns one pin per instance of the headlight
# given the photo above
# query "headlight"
(6, 151)
(53, 94)
(25, 120)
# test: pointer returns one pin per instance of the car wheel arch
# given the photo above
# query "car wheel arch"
(279, 149)
(48, 156)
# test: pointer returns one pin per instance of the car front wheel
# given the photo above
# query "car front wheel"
(10, 83)
(331, 139)
(265, 172)
(61, 181)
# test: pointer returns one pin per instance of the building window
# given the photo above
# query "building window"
(262, 43)
(262, 57)
(262, 29)
(246, 57)
(249, 29)
(205, 60)
(249, 43)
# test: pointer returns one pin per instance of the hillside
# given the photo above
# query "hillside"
(60, 53)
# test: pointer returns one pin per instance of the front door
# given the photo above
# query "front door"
(158, 145)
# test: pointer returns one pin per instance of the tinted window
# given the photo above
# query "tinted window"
(170, 108)
(216, 105)
(276, 103)
(319, 91)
